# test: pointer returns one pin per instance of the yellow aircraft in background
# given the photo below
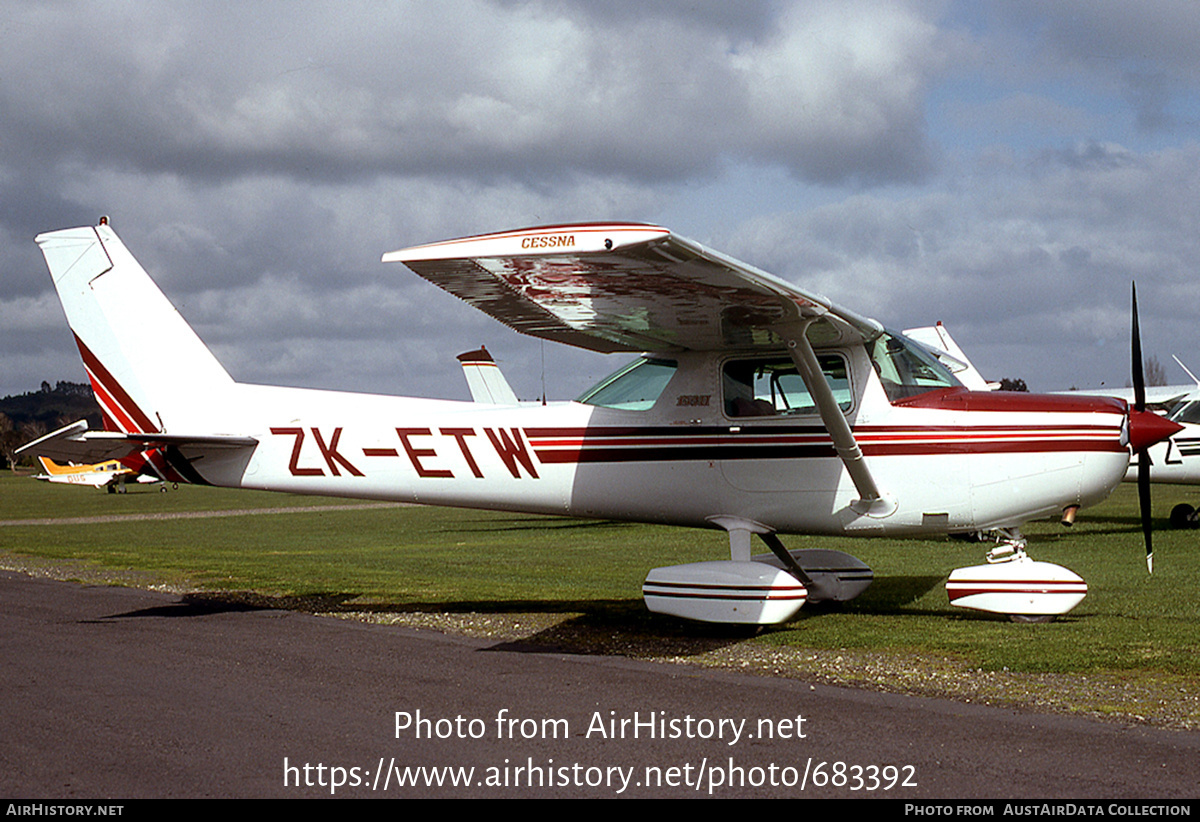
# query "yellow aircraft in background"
(111, 474)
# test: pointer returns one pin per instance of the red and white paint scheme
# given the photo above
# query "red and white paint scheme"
(1173, 460)
(760, 409)
(1019, 586)
(749, 593)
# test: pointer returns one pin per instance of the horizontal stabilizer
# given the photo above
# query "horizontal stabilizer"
(76, 443)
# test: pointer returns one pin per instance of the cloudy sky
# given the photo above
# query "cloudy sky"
(1005, 167)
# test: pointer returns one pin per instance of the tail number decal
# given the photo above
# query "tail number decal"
(415, 455)
(510, 447)
(329, 451)
(512, 450)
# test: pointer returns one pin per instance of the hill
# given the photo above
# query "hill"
(25, 417)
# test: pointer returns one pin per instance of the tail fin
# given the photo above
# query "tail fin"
(937, 338)
(53, 472)
(147, 367)
(484, 379)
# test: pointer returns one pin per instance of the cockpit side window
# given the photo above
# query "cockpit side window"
(906, 369)
(633, 387)
(772, 387)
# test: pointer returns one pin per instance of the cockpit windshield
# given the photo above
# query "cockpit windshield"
(1188, 412)
(906, 369)
(633, 387)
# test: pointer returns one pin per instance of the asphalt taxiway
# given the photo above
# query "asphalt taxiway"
(123, 693)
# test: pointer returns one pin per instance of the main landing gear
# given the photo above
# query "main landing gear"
(1184, 516)
(1014, 585)
(764, 589)
(767, 589)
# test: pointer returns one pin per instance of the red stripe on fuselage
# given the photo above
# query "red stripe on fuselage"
(584, 438)
(620, 444)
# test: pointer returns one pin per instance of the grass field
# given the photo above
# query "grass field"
(1132, 644)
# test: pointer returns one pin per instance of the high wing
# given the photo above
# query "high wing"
(631, 287)
(626, 287)
(75, 443)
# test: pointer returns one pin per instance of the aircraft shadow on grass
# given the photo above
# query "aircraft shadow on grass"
(535, 524)
(1105, 525)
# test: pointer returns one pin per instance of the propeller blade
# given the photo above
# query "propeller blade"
(1143, 483)
(1139, 378)
(1143, 453)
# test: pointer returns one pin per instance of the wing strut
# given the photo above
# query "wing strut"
(872, 501)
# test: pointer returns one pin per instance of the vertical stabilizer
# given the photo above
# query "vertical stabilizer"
(148, 369)
(484, 379)
(937, 338)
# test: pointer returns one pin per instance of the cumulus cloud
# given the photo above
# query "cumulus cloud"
(1145, 52)
(837, 91)
(524, 91)
(1033, 256)
(1007, 166)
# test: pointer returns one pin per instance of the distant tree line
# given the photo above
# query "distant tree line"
(25, 417)
(1154, 371)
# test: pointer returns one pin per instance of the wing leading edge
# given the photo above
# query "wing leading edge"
(611, 287)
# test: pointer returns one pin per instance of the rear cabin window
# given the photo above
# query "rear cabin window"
(773, 387)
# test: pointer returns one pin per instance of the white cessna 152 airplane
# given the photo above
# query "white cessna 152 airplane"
(762, 409)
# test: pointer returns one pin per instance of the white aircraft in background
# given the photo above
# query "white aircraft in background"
(1177, 459)
(1174, 460)
(937, 338)
(484, 380)
(761, 409)
(111, 475)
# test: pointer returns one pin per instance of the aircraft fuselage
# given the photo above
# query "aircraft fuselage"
(951, 461)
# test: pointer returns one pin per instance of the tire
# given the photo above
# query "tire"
(1183, 516)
